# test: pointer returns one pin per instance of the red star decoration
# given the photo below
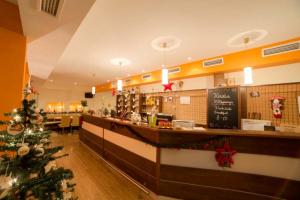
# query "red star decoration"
(168, 86)
(224, 155)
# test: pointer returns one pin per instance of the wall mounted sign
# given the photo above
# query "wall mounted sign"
(185, 100)
(224, 108)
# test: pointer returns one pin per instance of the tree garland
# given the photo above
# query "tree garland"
(220, 144)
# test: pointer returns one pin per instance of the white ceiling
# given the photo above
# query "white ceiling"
(114, 28)
(48, 36)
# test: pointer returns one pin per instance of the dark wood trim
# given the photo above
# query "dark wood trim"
(137, 161)
(222, 181)
(242, 144)
(200, 192)
(93, 141)
(132, 170)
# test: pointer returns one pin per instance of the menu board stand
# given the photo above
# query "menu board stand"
(223, 108)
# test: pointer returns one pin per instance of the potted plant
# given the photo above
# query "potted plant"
(84, 105)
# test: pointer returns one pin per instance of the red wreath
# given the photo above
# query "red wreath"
(224, 155)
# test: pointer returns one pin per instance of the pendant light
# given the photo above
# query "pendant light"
(165, 76)
(248, 76)
(164, 70)
(119, 85)
(94, 88)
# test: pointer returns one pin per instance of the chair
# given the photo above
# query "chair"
(75, 122)
(64, 123)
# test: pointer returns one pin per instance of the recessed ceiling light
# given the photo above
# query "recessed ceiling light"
(143, 71)
(51, 81)
(128, 75)
(107, 80)
(189, 58)
(120, 61)
(75, 83)
(252, 36)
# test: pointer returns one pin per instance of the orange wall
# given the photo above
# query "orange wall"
(10, 17)
(12, 58)
(232, 62)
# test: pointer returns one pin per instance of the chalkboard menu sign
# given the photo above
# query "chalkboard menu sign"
(223, 108)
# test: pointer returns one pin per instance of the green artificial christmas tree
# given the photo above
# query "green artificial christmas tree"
(27, 163)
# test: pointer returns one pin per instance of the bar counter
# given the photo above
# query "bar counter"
(181, 163)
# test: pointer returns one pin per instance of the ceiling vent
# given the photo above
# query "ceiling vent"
(285, 48)
(51, 7)
(146, 76)
(213, 62)
(174, 70)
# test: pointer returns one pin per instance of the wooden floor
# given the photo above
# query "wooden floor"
(94, 178)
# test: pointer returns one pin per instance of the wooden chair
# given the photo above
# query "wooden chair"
(75, 122)
(64, 123)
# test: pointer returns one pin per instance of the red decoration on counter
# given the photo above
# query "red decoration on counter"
(168, 86)
(113, 92)
(224, 155)
(277, 106)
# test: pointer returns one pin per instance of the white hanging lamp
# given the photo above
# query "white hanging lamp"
(93, 90)
(248, 75)
(164, 70)
(119, 85)
(164, 76)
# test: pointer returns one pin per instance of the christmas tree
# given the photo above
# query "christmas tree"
(27, 163)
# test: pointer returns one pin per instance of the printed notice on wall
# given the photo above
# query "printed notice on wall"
(185, 100)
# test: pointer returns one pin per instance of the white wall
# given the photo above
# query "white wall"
(272, 75)
(103, 99)
(67, 96)
(189, 84)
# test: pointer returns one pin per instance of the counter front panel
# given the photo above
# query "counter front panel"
(266, 166)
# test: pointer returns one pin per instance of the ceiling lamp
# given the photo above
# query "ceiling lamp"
(119, 85)
(164, 76)
(248, 78)
(255, 36)
(93, 90)
(120, 61)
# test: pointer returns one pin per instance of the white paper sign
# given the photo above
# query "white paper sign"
(185, 100)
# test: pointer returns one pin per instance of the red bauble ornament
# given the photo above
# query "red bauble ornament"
(224, 155)
(168, 86)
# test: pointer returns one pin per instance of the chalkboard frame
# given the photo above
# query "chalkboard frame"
(238, 88)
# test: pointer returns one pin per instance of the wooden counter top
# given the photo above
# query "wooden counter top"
(224, 132)
(257, 142)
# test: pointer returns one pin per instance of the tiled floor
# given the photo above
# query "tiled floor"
(94, 178)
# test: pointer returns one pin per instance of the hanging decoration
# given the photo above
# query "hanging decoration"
(277, 106)
(224, 155)
(168, 86)
(113, 92)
